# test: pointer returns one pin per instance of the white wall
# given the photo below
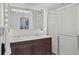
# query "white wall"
(1, 15)
(0, 26)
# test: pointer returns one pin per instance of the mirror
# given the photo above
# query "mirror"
(20, 19)
(25, 21)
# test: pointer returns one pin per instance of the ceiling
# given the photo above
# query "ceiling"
(52, 6)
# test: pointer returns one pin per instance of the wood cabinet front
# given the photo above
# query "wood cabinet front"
(34, 47)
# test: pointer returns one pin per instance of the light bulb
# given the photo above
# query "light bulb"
(6, 10)
(6, 15)
(6, 25)
(6, 20)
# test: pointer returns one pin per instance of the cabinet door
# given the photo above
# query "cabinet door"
(24, 49)
(42, 47)
(14, 50)
(68, 45)
(67, 21)
(38, 49)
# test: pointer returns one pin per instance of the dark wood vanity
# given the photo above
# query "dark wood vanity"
(41, 46)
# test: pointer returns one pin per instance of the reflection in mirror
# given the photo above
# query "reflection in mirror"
(24, 23)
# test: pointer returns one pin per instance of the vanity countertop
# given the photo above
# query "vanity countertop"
(19, 39)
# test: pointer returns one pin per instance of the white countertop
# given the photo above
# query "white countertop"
(19, 39)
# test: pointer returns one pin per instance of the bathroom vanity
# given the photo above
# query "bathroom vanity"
(34, 46)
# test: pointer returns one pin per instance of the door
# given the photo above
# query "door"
(68, 45)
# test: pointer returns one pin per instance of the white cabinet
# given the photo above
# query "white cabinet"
(68, 45)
